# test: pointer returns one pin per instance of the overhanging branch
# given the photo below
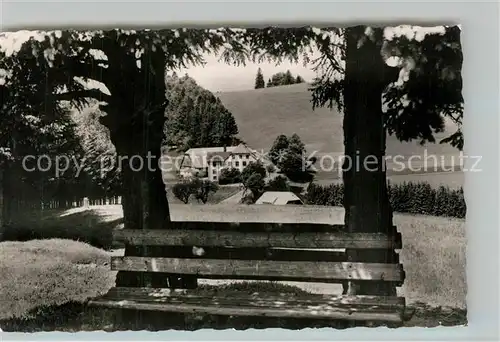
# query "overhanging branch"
(81, 94)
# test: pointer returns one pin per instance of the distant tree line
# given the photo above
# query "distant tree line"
(413, 198)
(276, 80)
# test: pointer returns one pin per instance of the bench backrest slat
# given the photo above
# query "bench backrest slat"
(315, 271)
(261, 253)
(222, 238)
(259, 227)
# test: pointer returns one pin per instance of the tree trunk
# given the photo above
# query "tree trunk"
(144, 199)
(6, 195)
(366, 202)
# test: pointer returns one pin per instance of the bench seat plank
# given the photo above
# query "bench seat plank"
(220, 238)
(263, 268)
(238, 303)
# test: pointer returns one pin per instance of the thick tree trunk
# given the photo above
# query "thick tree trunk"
(366, 202)
(144, 199)
(6, 195)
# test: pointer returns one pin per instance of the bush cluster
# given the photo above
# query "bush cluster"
(413, 198)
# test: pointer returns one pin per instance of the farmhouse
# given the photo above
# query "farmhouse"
(279, 198)
(207, 162)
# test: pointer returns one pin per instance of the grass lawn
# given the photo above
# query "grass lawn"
(93, 226)
(40, 273)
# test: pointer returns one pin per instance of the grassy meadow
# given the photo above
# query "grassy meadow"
(319, 129)
(40, 274)
(322, 133)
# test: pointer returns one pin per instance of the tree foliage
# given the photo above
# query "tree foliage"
(255, 183)
(253, 178)
(183, 191)
(278, 183)
(284, 78)
(203, 188)
(195, 117)
(199, 188)
(414, 198)
(99, 154)
(254, 167)
(279, 146)
(33, 130)
(259, 80)
(229, 176)
(289, 155)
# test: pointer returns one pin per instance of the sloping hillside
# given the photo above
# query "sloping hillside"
(263, 114)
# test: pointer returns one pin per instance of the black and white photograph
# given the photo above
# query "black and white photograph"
(232, 178)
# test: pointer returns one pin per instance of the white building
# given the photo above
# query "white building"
(209, 161)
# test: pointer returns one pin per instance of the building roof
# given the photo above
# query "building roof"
(242, 149)
(277, 198)
(205, 150)
(218, 156)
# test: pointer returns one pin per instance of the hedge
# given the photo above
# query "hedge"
(413, 198)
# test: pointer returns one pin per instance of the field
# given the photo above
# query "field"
(263, 114)
(41, 273)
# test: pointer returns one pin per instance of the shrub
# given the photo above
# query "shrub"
(255, 183)
(229, 176)
(248, 199)
(202, 189)
(279, 183)
(253, 168)
(414, 198)
(183, 191)
(270, 168)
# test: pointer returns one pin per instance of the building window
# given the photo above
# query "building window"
(244, 163)
(214, 164)
(237, 163)
(214, 177)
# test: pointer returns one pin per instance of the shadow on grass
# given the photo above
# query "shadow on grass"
(85, 226)
(73, 317)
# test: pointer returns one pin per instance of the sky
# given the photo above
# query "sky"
(219, 76)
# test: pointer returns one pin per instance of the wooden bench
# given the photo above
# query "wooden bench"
(261, 251)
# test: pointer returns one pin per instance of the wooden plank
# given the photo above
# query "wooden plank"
(256, 226)
(247, 253)
(278, 278)
(177, 237)
(282, 305)
(259, 268)
(211, 292)
(278, 254)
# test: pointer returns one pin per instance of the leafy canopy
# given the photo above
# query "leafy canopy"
(195, 117)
